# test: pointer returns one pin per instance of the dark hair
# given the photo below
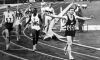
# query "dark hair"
(71, 8)
(35, 10)
(8, 6)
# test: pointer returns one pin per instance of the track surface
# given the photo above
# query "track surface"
(51, 49)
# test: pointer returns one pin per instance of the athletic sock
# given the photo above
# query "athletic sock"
(7, 46)
(34, 47)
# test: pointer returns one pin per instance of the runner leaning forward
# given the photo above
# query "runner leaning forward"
(70, 29)
(8, 21)
(35, 26)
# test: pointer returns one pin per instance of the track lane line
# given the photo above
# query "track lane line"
(61, 48)
(13, 55)
(39, 52)
(36, 51)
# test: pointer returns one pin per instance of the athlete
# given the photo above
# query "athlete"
(28, 13)
(17, 24)
(35, 26)
(70, 29)
(8, 20)
(48, 10)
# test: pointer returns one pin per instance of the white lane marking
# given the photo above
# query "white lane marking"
(61, 48)
(13, 55)
(61, 39)
(72, 51)
(83, 45)
(38, 52)
(86, 46)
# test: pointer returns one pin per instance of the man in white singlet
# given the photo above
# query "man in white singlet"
(8, 20)
(35, 26)
(18, 23)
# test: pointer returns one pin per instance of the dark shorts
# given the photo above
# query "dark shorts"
(9, 26)
(70, 33)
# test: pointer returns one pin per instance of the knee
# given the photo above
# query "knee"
(6, 32)
(69, 42)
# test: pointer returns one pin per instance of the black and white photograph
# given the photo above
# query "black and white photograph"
(49, 30)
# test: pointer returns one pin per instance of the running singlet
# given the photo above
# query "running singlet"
(9, 17)
(70, 25)
(18, 14)
(18, 18)
(29, 11)
(35, 22)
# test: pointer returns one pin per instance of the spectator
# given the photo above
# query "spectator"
(80, 21)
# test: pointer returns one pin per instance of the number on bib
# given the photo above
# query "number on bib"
(8, 20)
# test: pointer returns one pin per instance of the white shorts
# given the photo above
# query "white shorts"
(17, 23)
(36, 27)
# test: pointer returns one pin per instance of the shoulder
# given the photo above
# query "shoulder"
(52, 8)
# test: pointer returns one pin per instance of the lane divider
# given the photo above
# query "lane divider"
(61, 48)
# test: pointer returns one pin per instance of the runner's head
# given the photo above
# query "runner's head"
(71, 11)
(34, 11)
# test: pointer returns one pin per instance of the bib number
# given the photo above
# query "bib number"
(8, 20)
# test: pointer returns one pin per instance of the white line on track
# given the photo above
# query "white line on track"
(62, 49)
(79, 44)
(82, 45)
(38, 52)
(13, 55)
(35, 51)
(76, 52)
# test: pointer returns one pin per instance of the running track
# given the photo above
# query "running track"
(46, 50)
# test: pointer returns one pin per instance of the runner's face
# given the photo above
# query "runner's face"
(71, 11)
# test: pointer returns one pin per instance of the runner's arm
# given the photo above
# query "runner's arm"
(27, 22)
(58, 16)
(53, 12)
(3, 21)
(83, 18)
(14, 16)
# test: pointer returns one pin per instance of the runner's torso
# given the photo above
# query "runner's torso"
(18, 15)
(9, 17)
(35, 23)
(70, 24)
(35, 20)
